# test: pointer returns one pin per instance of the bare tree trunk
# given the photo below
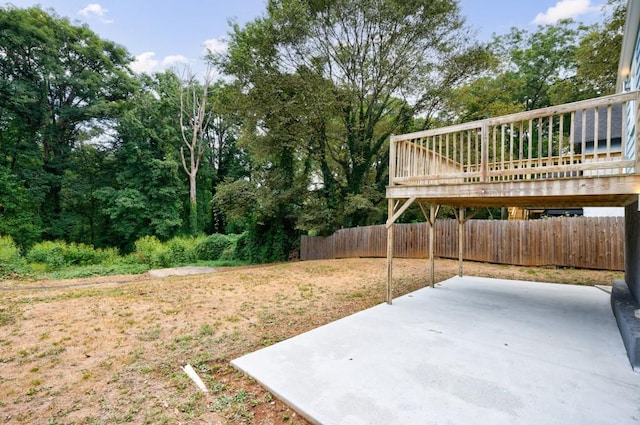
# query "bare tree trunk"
(194, 120)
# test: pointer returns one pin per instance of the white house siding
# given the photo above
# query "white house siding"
(603, 211)
(631, 106)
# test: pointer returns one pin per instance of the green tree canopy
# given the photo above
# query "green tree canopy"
(599, 53)
(146, 195)
(57, 79)
(326, 83)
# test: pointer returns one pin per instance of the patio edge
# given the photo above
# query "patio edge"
(624, 308)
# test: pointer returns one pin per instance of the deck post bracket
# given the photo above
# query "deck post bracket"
(396, 214)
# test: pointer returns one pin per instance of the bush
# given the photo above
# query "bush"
(268, 242)
(49, 253)
(183, 250)
(59, 254)
(242, 250)
(229, 253)
(11, 262)
(103, 269)
(9, 252)
(86, 255)
(213, 246)
(149, 250)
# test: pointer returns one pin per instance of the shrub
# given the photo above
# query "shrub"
(11, 262)
(268, 242)
(212, 247)
(9, 252)
(242, 251)
(103, 269)
(58, 254)
(50, 253)
(229, 253)
(85, 255)
(183, 250)
(149, 250)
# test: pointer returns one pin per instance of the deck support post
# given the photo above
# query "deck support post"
(462, 220)
(390, 255)
(433, 214)
(394, 214)
(461, 223)
(431, 219)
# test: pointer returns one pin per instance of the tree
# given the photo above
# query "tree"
(543, 61)
(333, 80)
(82, 220)
(276, 121)
(144, 195)
(56, 78)
(555, 64)
(488, 96)
(194, 122)
(18, 211)
(226, 160)
(599, 53)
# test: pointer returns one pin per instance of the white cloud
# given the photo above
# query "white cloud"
(565, 9)
(95, 10)
(144, 63)
(215, 45)
(171, 60)
(148, 63)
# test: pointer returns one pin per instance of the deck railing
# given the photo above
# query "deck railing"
(580, 139)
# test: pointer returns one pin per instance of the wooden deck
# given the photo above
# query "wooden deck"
(573, 155)
(570, 155)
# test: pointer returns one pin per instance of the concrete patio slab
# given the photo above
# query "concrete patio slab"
(472, 350)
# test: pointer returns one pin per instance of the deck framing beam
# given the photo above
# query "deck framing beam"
(586, 191)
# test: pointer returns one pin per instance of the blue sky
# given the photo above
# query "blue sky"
(165, 33)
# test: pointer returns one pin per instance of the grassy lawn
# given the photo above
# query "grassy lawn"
(109, 350)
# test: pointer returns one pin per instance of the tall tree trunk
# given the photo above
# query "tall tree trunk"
(193, 204)
(194, 119)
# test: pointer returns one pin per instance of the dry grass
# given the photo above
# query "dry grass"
(111, 353)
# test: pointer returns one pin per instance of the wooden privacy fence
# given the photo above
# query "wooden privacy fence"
(581, 242)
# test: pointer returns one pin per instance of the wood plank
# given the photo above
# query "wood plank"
(585, 191)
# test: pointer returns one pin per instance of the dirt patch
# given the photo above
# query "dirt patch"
(181, 271)
(112, 352)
